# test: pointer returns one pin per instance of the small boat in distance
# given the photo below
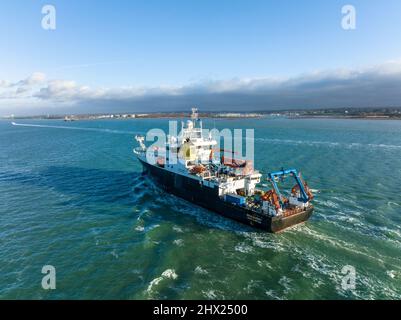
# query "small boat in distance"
(229, 188)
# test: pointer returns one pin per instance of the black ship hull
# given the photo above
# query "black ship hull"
(192, 190)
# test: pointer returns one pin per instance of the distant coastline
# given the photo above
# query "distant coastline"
(339, 113)
(350, 113)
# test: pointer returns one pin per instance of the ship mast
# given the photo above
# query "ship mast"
(195, 117)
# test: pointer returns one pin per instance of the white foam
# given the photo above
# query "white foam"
(167, 274)
(152, 227)
(391, 273)
(202, 215)
(179, 242)
(140, 228)
(391, 204)
(114, 254)
(329, 143)
(272, 294)
(210, 294)
(244, 248)
(304, 273)
(153, 283)
(329, 203)
(264, 241)
(178, 229)
(345, 245)
(286, 283)
(264, 264)
(75, 128)
(170, 273)
(200, 270)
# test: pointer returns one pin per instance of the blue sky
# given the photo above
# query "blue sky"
(114, 45)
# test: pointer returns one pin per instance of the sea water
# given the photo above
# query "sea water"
(72, 196)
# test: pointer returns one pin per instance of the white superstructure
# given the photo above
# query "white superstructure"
(194, 155)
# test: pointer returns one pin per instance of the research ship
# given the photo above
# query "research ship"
(230, 187)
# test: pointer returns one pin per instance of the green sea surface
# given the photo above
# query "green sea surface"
(72, 196)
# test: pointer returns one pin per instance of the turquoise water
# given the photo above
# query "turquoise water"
(73, 197)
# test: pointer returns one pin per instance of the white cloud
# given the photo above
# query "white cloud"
(4, 84)
(22, 89)
(371, 86)
(35, 78)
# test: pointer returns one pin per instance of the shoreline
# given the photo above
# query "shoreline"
(218, 118)
(346, 118)
(346, 114)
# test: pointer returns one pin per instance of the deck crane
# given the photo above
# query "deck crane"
(293, 172)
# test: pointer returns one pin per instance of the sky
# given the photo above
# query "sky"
(225, 55)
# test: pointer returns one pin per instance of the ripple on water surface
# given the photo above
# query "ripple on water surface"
(76, 199)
